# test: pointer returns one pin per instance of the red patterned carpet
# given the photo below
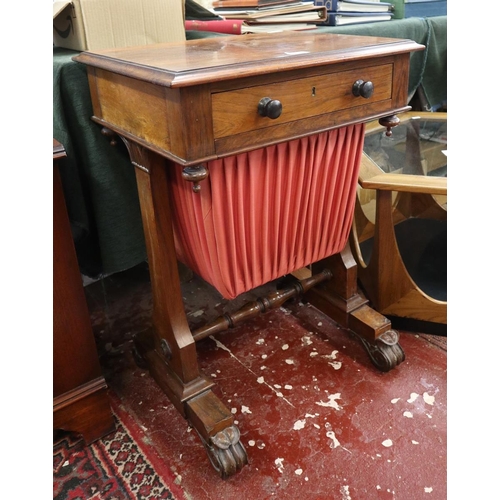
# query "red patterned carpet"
(118, 467)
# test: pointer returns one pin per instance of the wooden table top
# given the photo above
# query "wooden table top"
(205, 60)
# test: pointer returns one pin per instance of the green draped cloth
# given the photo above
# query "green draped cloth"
(99, 180)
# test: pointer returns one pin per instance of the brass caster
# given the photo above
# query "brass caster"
(390, 337)
(226, 453)
(385, 353)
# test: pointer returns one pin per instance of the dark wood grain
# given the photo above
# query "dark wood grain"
(80, 392)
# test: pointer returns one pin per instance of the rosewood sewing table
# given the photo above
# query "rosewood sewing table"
(184, 105)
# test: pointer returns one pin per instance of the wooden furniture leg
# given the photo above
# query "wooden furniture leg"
(340, 299)
(169, 350)
(80, 397)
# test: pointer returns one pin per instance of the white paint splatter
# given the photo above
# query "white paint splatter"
(414, 442)
(306, 340)
(197, 313)
(251, 442)
(312, 354)
(261, 380)
(285, 347)
(288, 387)
(320, 324)
(413, 397)
(336, 365)
(428, 398)
(428, 489)
(308, 415)
(333, 355)
(395, 400)
(387, 443)
(331, 403)
(335, 442)
(317, 426)
(233, 411)
(289, 361)
(245, 409)
(222, 346)
(213, 375)
(279, 464)
(344, 491)
(261, 445)
(408, 414)
(300, 424)
(277, 386)
(298, 472)
(260, 342)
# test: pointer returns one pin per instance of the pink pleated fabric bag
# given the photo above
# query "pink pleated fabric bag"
(265, 213)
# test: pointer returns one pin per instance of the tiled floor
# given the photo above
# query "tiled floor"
(317, 419)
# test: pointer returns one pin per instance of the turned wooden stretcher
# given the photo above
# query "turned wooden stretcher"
(247, 152)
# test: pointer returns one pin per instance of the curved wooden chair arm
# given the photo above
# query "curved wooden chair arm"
(371, 176)
(407, 183)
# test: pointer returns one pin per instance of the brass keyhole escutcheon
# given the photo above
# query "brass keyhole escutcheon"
(313, 92)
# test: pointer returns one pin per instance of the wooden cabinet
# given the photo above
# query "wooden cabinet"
(80, 392)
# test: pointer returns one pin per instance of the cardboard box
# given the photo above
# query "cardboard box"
(103, 24)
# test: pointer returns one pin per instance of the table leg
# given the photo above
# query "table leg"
(169, 350)
(340, 299)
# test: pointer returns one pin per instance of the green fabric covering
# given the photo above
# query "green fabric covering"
(99, 180)
(195, 11)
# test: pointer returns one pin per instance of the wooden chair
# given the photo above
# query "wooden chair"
(398, 235)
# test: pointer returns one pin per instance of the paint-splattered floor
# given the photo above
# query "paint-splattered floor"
(317, 419)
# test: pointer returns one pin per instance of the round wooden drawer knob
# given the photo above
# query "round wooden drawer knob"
(271, 108)
(362, 88)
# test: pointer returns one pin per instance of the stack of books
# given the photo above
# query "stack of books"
(261, 16)
(424, 8)
(342, 12)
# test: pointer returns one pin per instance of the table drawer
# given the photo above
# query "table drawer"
(235, 111)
